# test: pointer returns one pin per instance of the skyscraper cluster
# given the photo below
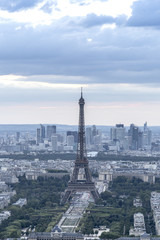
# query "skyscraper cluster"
(48, 136)
(98, 138)
(43, 133)
(93, 138)
(133, 139)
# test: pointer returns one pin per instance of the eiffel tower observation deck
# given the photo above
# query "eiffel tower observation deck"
(81, 162)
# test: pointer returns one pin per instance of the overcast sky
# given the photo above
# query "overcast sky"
(50, 48)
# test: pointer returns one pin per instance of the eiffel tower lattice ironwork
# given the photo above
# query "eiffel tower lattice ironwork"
(81, 162)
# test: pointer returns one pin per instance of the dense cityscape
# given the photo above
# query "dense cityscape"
(51, 138)
(91, 187)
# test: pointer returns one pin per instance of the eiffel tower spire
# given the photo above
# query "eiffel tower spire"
(81, 162)
(81, 149)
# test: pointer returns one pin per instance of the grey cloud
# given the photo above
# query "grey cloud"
(47, 7)
(17, 96)
(14, 96)
(145, 13)
(16, 5)
(121, 20)
(80, 2)
(93, 20)
(119, 55)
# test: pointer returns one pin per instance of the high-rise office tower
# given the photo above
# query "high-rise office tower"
(140, 139)
(88, 136)
(73, 133)
(145, 128)
(70, 140)
(117, 135)
(94, 131)
(38, 136)
(54, 141)
(133, 134)
(91, 133)
(42, 133)
(147, 135)
(118, 132)
(17, 136)
(51, 130)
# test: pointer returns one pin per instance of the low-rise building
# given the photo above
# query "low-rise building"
(99, 230)
(55, 234)
(139, 225)
(5, 198)
(155, 206)
(137, 202)
(4, 215)
(21, 202)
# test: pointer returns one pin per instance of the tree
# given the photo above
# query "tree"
(105, 235)
(14, 234)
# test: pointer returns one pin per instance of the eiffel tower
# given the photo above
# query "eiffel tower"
(81, 162)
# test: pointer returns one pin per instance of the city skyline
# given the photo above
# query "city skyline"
(50, 49)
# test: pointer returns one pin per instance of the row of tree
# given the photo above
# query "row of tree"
(43, 198)
(101, 156)
(115, 210)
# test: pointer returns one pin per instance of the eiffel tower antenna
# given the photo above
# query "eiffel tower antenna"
(81, 162)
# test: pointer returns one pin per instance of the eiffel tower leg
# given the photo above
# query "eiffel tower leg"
(66, 196)
(88, 175)
(75, 174)
(95, 194)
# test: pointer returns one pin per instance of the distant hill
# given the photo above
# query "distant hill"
(12, 128)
